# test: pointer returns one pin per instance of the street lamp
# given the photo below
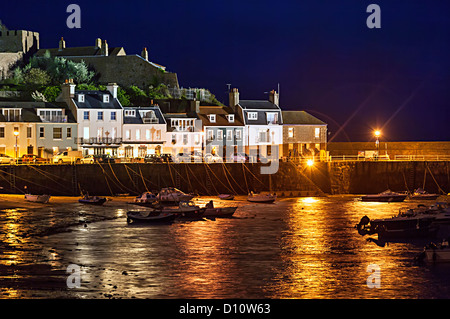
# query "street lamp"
(377, 142)
(16, 134)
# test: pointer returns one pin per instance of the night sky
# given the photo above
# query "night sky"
(323, 55)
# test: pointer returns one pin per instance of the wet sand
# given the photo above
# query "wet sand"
(27, 265)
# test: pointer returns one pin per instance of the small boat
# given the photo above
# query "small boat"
(226, 196)
(386, 196)
(37, 198)
(419, 222)
(92, 200)
(146, 199)
(153, 217)
(436, 253)
(173, 195)
(261, 198)
(221, 212)
(184, 210)
(423, 195)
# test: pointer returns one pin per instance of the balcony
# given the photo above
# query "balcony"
(150, 120)
(99, 141)
(54, 119)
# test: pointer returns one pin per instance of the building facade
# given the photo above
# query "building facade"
(144, 132)
(38, 128)
(303, 135)
(263, 125)
(99, 115)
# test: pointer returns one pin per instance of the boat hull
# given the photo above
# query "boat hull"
(43, 199)
(151, 218)
(425, 197)
(222, 212)
(226, 196)
(437, 255)
(97, 202)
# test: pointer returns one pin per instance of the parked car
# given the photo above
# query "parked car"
(240, 157)
(88, 159)
(31, 158)
(104, 158)
(152, 158)
(183, 158)
(166, 158)
(68, 157)
(5, 159)
(196, 157)
(210, 158)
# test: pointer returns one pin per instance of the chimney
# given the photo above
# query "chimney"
(98, 43)
(112, 88)
(234, 98)
(68, 90)
(62, 44)
(273, 97)
(195, 106)
(104, 48)
(144, 54)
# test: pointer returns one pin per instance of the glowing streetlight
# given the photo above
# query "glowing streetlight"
(16, 134)
(310, 162)
(377, 134)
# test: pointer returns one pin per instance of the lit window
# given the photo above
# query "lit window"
(317, 132)
(291, 132)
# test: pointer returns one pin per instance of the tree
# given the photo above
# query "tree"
(123, 97)
(36, 77)
(51, 92)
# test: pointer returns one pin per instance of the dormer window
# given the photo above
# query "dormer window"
(105, 98)
(252, 115)
(81, 98)
(230, 118)
(212, 118)
(130, 112)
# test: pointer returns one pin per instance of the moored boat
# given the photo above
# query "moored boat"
(436, 253)
(146, 199)
(218, 212)
(419, 222)
(261, 198)
(92, 200)
(386, 196)
(153, 217)
(172, 195)
(421, 194)
(44, 199)
(185, 210)
(226, 196)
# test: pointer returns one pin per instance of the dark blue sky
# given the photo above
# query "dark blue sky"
(325, 58)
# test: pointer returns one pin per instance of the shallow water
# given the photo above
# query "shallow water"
(294, 248)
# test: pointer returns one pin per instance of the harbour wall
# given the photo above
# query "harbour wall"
(211, 179)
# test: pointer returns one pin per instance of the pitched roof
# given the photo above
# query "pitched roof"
(221, 116)
(258, 104)
(137, 118)
(94, 100)
(300, 117)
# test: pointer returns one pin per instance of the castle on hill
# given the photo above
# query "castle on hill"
(112, 64)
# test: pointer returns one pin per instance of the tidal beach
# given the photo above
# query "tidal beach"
(295, 248)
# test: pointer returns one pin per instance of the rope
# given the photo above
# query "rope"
(10, 184)
(217, 179)
(106, 178)
(46, 175)
(225, 173)
(404, 179)
(435, 180)
(134, 184)
(204, 187)
(112, 171)
(245, 178)
(207, 174)
(142, 177)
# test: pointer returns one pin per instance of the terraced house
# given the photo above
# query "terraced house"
(99, 115)
(38, 128)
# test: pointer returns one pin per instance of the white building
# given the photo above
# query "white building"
(263, 129)
(99, 115)
(144, 132)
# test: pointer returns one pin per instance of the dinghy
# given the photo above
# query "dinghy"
(37, 198)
